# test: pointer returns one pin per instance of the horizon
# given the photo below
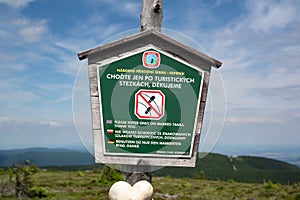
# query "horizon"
(287, 154)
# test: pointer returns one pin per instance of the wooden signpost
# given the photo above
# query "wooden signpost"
(148, 95)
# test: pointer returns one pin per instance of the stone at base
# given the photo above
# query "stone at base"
(122, 190)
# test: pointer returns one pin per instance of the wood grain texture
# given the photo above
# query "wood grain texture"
(93, 80)
(96, 114)
(152, 14)
(155, 38)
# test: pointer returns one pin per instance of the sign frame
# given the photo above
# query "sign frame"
(124, 47)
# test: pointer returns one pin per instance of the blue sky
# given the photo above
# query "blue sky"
(257, 41)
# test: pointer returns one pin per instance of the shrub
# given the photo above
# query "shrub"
(200, 176)
(109, 175)
(271, 189)
(22, 173)
(39, 192)
(271, 186)
(297, 197)
(296, 184)
(169, 177)
(186, 185)
(231, 180)
(19, 180)
(80, 174)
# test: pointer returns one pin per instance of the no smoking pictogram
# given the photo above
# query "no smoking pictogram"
(149, 104)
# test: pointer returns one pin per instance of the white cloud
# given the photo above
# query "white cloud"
(64, 91)
(252, 120)
(253, 59)
(20, 122)
(293, 50)
(33, 31)
(132, 8)
(16, 3)
(96, 24)
(20, 21)
(61, 99)
(52, 86)
(50, 123)
(260, 68)
(18, 30)
(12, 66)
(127, 8)
(10, 84)
(4, 120)
(69, 45)
(68, 65)
(24, 133)
(267, 15)
(16, 98)
(3, 33)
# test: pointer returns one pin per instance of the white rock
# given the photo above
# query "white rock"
(122, 190)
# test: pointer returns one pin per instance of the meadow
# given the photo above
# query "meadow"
(95, 184)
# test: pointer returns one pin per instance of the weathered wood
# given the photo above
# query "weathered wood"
(96, 115)
(205, 86)
(151, 18)
(152, 14)
(98, 146)
(93, 80)
(137, 173)
(201, 111)
(115, 49)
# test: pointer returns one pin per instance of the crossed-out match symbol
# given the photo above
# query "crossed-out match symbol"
(152, 104)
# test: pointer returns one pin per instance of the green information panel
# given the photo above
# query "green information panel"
(149, 102)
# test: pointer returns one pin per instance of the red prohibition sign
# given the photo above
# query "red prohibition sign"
(149, 104)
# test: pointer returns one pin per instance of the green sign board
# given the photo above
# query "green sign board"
(149, 102)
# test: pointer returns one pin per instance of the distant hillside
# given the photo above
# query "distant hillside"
(45, 157)
(213, 166)
(241, 169)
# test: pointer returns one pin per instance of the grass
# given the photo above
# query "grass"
(88, 185)
(193, 189)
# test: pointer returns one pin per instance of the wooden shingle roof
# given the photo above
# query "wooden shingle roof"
(156, 39)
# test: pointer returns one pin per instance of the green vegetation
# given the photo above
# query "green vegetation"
(240, 169)
(54, 184)
(247, 169)
(95, 184)
(211, 190)
(220, 167)
(109, 175)
(17, 181)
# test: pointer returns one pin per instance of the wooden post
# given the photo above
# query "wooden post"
(152, 14)
(151, 18)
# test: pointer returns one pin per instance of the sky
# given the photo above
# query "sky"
(257, 87)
